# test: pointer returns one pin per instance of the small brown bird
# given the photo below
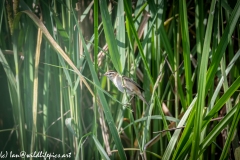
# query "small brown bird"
(124, 83)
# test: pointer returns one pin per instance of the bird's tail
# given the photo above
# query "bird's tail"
(143, 99)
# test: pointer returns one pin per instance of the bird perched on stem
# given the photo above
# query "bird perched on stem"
(125, 84)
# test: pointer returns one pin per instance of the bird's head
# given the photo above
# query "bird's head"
(111, 74)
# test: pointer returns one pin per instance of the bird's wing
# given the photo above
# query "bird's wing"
(128, 80)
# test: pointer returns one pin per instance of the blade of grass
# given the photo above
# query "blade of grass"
(231, 133)
(96, 43)
(18, 107)
(100, 148)
(120, 33)
(202, 85)
(219, 86)
(35, 91)
(131, 24)
(186, 49)
(235, 86)
(46, 86)
(109, 35)
(217, 55)
(217, 130)
(18, 114)
(175, 136)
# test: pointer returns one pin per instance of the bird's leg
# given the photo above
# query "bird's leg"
(129, 101)
(128, 104)
(127, 107)
(131, 98)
